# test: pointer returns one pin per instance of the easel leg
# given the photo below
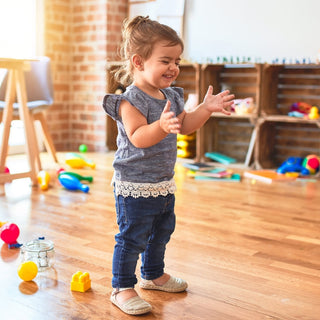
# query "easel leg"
(47, 137)
(31, 140)
(7, 118)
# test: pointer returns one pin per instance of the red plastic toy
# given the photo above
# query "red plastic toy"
(9, 233)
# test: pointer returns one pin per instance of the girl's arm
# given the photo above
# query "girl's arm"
(144, 135)
(191, 121)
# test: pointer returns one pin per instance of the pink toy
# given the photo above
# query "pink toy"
(9, 233)
(72, 183)
(60, 170)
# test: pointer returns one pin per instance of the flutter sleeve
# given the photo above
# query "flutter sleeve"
(111, 103)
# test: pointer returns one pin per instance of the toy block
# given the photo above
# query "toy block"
(220, 157)
(80, 281)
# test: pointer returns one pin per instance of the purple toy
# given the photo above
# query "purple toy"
(72, 183)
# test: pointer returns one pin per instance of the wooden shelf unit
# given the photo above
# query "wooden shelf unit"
(280, 136)
(233, 135)
(268, 136)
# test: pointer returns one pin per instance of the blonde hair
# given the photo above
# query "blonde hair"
(140, 34)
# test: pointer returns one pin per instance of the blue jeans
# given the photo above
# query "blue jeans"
(145, 226)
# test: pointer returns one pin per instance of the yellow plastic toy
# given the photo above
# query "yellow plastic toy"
(186, 145)
(2, 223)
(80, 281)
(314, 113)
(27, 271)
(76, 161)
(43, 179)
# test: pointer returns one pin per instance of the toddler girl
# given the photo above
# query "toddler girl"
(149, 115)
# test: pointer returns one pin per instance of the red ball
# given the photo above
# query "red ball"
(311, 163)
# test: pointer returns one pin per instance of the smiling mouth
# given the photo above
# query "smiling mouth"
(169, 77)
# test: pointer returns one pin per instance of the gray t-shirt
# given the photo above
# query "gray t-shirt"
(144, 165)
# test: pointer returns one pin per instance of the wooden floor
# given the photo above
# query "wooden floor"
(248, 250)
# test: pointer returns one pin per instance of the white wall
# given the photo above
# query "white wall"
(262, 30)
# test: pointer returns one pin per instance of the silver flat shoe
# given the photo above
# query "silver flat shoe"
(172, 285)
(133, 306)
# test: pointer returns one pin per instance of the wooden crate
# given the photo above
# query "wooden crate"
(228, 136)
(188, 79)
(241, 79)
(279, 140)
(283, 85)
(234, 132)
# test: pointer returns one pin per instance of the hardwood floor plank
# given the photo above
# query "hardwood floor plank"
(249, 251)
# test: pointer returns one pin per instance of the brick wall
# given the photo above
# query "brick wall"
(80, 36)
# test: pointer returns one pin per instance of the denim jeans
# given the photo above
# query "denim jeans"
(145, 226)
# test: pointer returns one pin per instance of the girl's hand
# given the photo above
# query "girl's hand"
(219, 102)
(168, 122)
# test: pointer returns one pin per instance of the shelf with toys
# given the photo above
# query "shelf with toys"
(289, 123)
(259, 131)
(290, 91)
(280, 140)
(233, 135)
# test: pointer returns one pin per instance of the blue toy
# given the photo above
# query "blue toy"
(293, 164)
(72, 183)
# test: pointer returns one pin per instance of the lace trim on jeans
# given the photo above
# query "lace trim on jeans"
(145, 190)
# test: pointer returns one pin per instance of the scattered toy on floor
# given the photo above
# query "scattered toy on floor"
(76, 161)
(28, 270)
(76, 175)
(80, 281)
(9, 233)
(72, 183)
(43, 179)
(83, 148)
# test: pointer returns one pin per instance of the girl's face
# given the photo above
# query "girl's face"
(160, 69)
